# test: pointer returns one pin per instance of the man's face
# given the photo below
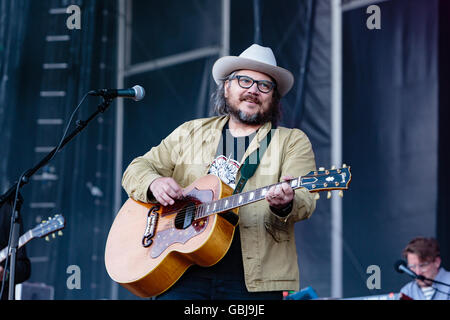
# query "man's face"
(428, 269)
(250, 106)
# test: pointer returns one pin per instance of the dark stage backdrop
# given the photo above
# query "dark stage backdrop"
(391, 110)
(46, 68)
(390, 105)
(299, 34)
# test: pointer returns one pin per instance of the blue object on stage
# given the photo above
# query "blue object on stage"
(307, 293)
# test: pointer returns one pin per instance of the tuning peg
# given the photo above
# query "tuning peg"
(341, 193)
(344, 166)
(47, 238)
(328, 194)
(317, 196)
(53, 235)
(333, 167)
(60, 233)
(321, 169)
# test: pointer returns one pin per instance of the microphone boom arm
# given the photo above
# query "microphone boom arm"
(434, 281)
(401, 267)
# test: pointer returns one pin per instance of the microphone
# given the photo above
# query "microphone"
(401, 267)
(136, 93)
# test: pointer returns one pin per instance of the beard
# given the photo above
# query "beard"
(258, 118)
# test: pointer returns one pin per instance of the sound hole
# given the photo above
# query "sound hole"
(185, 216)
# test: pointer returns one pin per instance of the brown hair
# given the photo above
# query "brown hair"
(427, 249)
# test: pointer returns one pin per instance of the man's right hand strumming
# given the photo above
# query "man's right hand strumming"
(166, 190)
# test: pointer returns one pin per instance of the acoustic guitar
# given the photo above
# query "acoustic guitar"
(150, 246)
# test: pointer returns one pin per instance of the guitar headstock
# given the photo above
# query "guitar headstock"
(328, 179)
(49, 226)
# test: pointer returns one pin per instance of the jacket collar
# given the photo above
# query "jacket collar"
(219, 123)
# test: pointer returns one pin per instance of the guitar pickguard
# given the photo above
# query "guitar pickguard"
(183, 226)
(167, 237)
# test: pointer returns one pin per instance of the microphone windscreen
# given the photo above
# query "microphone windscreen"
(140, 93)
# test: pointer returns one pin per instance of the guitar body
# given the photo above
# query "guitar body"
(149, 246)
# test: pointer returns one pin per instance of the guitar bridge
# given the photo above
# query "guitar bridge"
(152, 220)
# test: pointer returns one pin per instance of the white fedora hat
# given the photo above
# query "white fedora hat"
(255, 58)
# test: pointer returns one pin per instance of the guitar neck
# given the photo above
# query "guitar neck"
(240, 199)
(315, 181)
(24, 239)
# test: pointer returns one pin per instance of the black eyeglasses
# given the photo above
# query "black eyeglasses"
(246, 82)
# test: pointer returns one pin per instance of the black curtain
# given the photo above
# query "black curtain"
(391, 138)
(13, 26)
(47, 68)
(443, 212)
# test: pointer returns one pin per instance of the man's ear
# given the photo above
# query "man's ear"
(437, 261)
(225, 87)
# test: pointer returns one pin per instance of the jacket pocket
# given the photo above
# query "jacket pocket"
(277, 229)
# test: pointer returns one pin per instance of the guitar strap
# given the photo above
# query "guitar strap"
(248, 169)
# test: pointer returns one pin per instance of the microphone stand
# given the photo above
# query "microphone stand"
(422, 278)
(25, 178)
(15, 227)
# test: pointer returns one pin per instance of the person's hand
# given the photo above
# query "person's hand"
(281, 195)
(166, 190)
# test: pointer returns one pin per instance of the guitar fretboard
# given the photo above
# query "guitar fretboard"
(22, 241)
(314, 181)
(240, 199)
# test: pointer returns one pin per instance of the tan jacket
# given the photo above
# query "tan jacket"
(268, 245)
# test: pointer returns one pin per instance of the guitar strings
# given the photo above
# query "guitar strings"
(181, 213)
